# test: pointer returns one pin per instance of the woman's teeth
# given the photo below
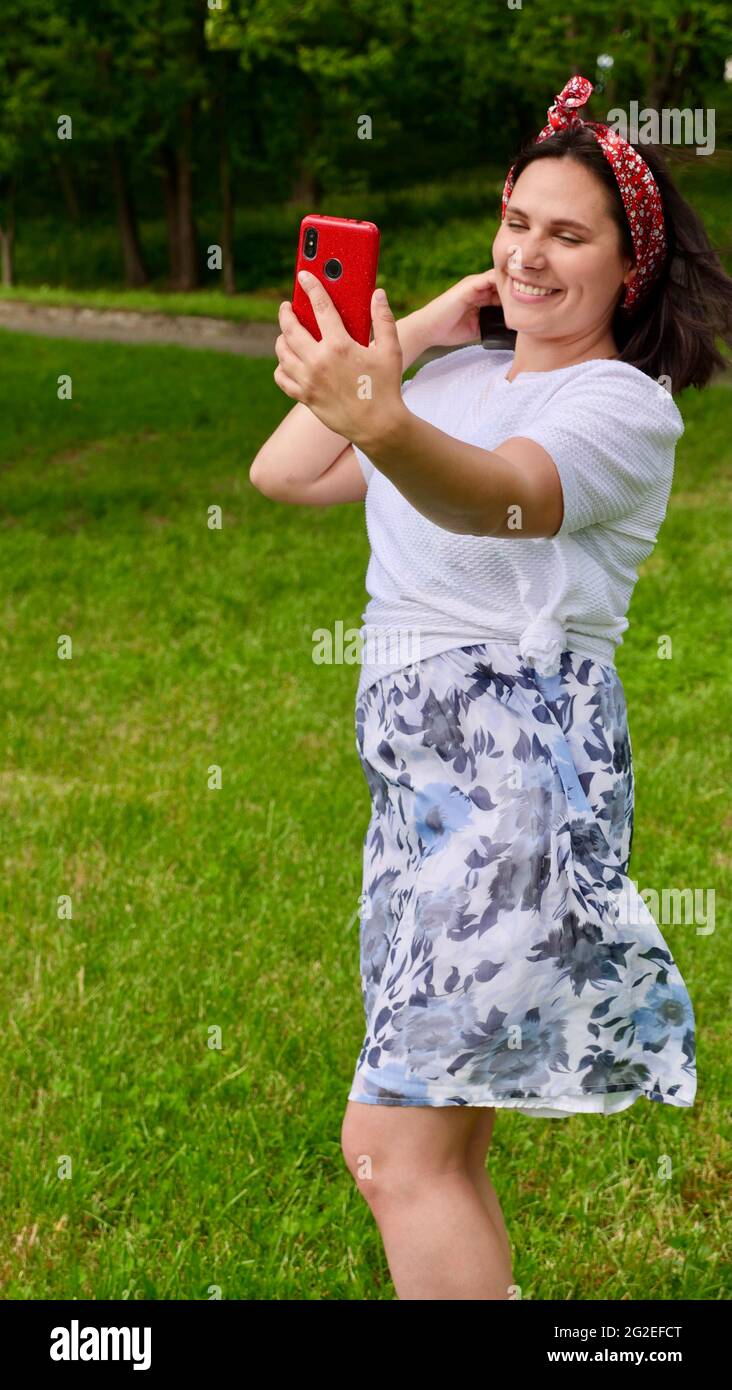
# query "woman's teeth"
(530, 289)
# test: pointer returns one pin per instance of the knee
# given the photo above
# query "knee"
(384, 1172)
(357, 1147)
(380, 1181)
(367, 1158)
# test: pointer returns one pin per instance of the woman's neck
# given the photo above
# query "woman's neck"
(547, 354)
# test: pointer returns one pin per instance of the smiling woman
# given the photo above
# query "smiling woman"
(669, 325)
(522, 286)
(507, 959)
(553, 272)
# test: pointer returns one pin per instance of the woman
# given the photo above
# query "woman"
(507, 959)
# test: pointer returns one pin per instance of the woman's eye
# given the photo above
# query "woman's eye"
(570, 240)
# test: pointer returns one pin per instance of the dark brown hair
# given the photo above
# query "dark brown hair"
(673, 331)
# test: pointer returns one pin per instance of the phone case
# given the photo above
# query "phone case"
(493, 331)
(353, 245)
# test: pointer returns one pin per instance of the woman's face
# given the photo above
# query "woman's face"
(558, 235)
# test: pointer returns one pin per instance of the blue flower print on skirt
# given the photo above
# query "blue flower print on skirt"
(506, 957)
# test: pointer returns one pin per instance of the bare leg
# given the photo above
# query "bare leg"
(411, 1165)
(478, 1146)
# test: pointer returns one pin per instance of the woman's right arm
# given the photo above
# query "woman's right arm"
(305, 462)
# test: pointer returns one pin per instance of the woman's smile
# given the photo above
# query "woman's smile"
(526, 293)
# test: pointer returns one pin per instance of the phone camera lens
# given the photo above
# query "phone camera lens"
(310, 243)
(333, 269)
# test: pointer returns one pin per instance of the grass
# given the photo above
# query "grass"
(241, 308)
(146, 1159)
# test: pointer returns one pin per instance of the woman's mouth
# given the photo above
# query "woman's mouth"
(526, 292)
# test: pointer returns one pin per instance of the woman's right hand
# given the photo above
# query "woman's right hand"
(452, 318)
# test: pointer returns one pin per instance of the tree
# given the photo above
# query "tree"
(171, 58)
(33, 46)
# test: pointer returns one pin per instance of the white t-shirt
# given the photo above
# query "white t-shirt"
(611, 431)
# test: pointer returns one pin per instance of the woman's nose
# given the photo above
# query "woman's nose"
(530, 254)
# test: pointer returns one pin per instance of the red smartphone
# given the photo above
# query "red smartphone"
(344, 254)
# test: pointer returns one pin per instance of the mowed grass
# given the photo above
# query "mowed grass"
(143, 1160)
(245, 308)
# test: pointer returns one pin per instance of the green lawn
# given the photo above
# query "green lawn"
(235, 909)
(241, 308)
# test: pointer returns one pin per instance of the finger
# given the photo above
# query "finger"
(287, 358)
(286, 383)
(297, 335)
(484, 287)
(489, 295)
(385, 329)
(327, 317)
(485, 277)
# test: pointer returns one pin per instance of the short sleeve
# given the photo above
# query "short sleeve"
(612, 438)
(366, 466)
(365, 463)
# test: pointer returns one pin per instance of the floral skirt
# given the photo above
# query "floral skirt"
(506, 957)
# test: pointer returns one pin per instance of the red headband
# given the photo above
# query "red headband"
(638, 188)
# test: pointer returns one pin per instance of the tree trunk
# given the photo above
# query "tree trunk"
(7, 239)
(664, 83)
(306, 188)
(135, 272)
(68, 188)
(227, 212)
(186, 227)
(170, 190)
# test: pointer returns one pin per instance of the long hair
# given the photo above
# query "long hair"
(674, 329)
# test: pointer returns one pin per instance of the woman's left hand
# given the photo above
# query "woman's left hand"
(353, 390)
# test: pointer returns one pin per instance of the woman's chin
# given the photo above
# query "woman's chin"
(530, 322)
(525, 323)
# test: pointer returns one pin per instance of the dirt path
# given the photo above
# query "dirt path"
(131, 326)
(185, 330)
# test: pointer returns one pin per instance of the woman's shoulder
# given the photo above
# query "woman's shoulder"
(621, 390)
(613, 369)
(606, 369)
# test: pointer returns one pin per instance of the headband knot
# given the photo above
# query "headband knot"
(636, 184)
(563, 112)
